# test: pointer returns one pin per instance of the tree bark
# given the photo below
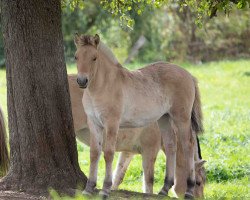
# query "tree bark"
(42, 141)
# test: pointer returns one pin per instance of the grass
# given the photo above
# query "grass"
(225, 91)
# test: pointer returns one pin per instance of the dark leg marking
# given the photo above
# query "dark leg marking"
(167, 185)
(90, 187)
(190, 186)
(107, 184)
(190, 183)
(151, 180)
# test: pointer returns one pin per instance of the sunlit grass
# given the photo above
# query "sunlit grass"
(225, 92)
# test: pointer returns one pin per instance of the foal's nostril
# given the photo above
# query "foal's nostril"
(77, 80)
(86, 82)
(82, 82)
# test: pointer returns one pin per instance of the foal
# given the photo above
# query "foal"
(117, 98)
(145, 141)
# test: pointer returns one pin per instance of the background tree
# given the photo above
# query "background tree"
(170, 29)
(42, 142)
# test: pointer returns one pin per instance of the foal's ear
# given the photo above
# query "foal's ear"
(96, 39)
(76, 39)
(199, 164)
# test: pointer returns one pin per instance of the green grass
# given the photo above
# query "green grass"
(225, 91)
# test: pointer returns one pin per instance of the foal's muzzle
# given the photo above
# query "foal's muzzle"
(82, 82)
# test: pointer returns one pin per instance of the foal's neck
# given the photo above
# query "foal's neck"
(105, 75)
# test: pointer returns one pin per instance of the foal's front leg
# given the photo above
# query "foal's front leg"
(96, 139)
(109, 150)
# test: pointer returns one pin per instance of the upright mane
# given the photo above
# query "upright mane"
(95, 41)
(107, 51)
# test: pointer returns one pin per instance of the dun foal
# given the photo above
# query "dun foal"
(145, 141)
(115, 97)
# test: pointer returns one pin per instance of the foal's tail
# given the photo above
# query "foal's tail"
(196, 116)
(4, 156)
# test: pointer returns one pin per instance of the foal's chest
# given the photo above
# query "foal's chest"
(94, 110)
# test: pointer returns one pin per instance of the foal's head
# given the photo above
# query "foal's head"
(200, 177)
(86, 57)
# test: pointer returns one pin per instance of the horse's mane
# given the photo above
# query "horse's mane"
(90, 40)
(107, 51)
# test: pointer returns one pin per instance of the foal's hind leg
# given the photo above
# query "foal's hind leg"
(169, 143)
(121, 168)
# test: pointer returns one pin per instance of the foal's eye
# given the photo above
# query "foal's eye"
(94, 59)
(75, 57)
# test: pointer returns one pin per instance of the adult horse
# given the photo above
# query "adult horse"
(4, 156)
(145, 141)
(116, 98)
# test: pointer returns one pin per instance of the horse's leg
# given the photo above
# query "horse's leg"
(121, 168)
(96, 139)
(185, 156)
(148, 161)
(181, 184)
(168, 131)
(109, 150)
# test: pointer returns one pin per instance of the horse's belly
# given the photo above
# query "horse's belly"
(139, 116)
(136, 122)
(129, 140)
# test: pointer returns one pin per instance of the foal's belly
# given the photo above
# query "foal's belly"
(138, 115)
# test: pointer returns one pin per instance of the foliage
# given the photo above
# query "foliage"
(202, 8)
(92, 19)
(170, 34)
(169, 27)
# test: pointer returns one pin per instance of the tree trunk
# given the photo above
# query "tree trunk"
(42, 141)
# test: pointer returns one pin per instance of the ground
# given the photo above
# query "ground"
(225, 93)
(115, 195)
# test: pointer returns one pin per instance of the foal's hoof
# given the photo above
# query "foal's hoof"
(104, 194)
(87, 193)
(188, 196)
(163, 192)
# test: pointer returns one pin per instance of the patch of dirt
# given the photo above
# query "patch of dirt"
(11, 195)
(124, 194)
(115, 195)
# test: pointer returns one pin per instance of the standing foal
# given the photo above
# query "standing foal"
(145, 141)
(115, 97)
